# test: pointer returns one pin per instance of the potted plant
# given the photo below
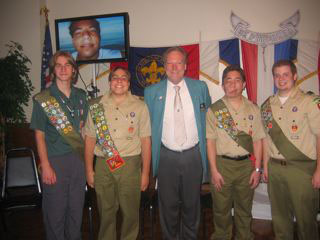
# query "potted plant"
(15, 87)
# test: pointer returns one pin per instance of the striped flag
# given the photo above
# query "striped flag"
(46, 56)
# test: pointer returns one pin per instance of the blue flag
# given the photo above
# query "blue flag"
(146, 67)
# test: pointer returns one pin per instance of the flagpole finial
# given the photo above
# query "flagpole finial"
(44, 10)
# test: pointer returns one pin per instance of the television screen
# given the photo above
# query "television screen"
(94, 39)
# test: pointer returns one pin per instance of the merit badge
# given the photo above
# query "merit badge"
(131, 129)
(294, 109)
(269, 125)
(294, 127)
(132, 114)
(250, 117)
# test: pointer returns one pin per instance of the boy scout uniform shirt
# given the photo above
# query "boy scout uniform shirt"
(56, 144)
(247, 119)
(299, 120)
(127, 123)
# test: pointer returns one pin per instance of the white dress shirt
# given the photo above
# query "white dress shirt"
(168, 139)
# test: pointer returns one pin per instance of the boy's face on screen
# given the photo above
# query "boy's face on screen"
(86, 40)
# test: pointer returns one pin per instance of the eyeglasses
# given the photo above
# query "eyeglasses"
(121, 79)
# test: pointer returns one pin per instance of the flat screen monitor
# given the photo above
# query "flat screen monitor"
(94, 39)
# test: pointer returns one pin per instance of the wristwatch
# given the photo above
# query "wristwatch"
(259, 170)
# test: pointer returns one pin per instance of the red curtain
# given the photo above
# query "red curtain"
(250, 67)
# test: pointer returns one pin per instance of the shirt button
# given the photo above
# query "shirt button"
(237, 124)
(114, 130)
(117, 108)
(116, 118)
(279, 118)
(281, 107)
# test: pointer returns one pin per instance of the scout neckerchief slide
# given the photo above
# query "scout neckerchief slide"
(104, 140)
(226, 122)
(59, 120)
(287, 149)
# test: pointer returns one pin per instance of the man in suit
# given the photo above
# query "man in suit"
(178, 107)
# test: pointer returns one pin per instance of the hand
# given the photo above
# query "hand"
(48, 174)
(90, 178)
(316, 179)
(144, 182)
(217, 180)
(254, 179)
(265, 175)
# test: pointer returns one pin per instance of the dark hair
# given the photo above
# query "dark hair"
(284, 62)
(231, 68)
(175, 49)
(117, 68)
(94, 22)
(68, 56)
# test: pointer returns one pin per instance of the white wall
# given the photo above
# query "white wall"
(154, 23)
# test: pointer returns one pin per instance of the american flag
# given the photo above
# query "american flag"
(46, 56)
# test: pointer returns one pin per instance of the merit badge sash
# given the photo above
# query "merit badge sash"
(104, 140)
(60, 121)
(283, 144)
(226, 122)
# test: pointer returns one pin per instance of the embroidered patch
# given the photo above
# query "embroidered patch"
(294, 109)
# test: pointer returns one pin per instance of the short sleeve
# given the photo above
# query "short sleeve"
(89, 128)
(39, 118)
(211, 131)
(144, 122)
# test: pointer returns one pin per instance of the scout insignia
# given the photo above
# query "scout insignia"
(251, 117)
(132, 114)
(266, 114)
(294, 109)
(114, 160)
(226, 122)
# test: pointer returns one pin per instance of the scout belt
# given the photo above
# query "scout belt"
(59, 120)
(104, 140)
(284, 145)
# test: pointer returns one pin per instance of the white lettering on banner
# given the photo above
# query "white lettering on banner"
(287, 31)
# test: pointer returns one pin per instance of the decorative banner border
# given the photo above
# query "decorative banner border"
(287, 31)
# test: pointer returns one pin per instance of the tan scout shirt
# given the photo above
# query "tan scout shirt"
(127, 123)
(299, 119)
(247, 119)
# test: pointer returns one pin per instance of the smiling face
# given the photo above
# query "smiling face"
(233, 84)
(86, 40)
(63, 69)
(284, 79)
(119, 83)
(175, 66)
